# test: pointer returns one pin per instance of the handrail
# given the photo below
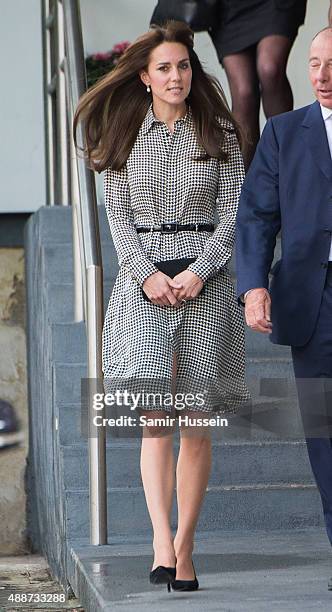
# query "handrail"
(69, 180)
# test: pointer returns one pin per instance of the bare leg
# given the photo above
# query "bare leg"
(272, 56)
(244, 87)
(193, 470)
(158, 477)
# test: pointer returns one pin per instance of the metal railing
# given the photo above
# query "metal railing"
(70, 182)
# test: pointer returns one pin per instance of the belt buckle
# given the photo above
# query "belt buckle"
(169, 228)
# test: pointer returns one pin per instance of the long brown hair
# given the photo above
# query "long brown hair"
(114, 108)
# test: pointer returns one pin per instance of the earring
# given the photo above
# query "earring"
(148, 89)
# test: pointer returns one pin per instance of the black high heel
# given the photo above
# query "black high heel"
(186, 585)
(163, 575)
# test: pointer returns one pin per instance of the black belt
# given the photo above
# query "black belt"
(172, 228)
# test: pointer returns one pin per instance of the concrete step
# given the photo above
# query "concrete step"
(224, 507)
(69, 342)
(55, 224)
(58, 262)
(60, 300)
(70, 430)
(259, 345)
(232, 464)
(270, 377)
(238, 571)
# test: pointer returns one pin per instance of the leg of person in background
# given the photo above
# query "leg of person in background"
(243, 82)
(272, 56)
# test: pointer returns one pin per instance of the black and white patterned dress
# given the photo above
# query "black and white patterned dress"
(161, 183)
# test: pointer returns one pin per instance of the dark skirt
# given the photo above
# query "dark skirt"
(244, 23)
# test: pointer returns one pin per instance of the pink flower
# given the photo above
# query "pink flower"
(101, 56)
(118, 49)
(121, 47)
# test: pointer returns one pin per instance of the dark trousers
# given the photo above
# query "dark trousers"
(313, 372)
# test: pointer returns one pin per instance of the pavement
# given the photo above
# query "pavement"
(26, 584)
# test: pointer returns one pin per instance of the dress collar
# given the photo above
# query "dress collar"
(150, 119)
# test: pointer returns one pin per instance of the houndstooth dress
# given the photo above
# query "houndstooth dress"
(161, 183)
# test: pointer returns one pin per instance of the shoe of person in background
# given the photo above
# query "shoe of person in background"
(9, 426)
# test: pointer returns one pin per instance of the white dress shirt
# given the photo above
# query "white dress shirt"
(327, 116)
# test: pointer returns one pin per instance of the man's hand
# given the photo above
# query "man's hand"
(258, 310)
(159, 288)
(191, 284)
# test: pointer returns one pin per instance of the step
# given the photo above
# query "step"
(69, 342)
(55, 224)
(58, 262)
(232, 507)
(259, 345)
(238, 571)
(232, 464)
(60, 300)
(67, 382)
(270, 377)
(70, 425)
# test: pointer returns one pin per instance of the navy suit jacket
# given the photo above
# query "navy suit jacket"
(288, 188)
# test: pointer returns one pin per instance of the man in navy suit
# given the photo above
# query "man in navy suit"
(289, 188)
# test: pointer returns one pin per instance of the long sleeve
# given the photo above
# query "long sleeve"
(121, 221)
(218, 248)
(259, 219)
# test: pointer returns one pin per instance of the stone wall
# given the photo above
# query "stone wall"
(13, 389)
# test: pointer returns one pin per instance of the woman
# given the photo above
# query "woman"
(159, 127)
(253, 43)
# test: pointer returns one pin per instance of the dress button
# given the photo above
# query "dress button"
(324, 265)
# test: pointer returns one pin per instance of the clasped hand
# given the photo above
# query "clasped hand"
(166, 291)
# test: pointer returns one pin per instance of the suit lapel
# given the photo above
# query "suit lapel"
(316, 137)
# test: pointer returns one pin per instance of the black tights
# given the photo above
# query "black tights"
(256, 73)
